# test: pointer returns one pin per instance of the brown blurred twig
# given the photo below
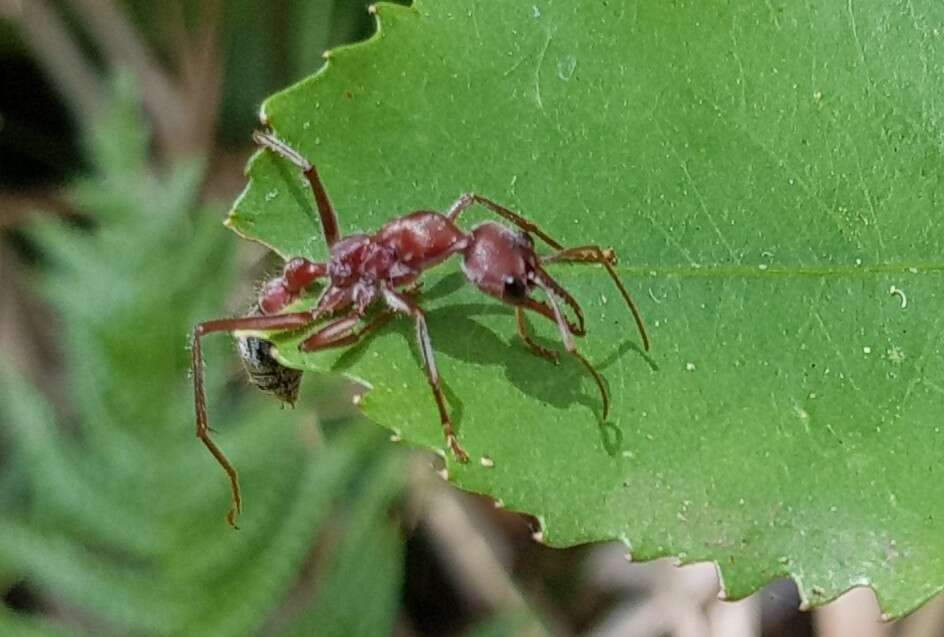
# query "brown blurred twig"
(181, 100)
(57, 52)
(468, 548)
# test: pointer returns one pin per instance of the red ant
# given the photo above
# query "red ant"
(363, 269)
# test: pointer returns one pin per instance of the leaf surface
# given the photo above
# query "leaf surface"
(769, 175)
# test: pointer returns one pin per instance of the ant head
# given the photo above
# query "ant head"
(501, 262)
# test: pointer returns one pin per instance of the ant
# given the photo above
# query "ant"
(364, 269)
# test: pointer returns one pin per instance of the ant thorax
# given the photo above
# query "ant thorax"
(347, 258)
(421, 240)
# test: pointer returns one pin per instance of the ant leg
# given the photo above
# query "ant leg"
(329, 220)
(297, 274)
(341, 332)
(595, 254)
(564, 295)
(568, 342)
(278, 322)
(405, 305)
(469, 199)
(536, 349)
(542, 308)
(583, 254)
(333, 334)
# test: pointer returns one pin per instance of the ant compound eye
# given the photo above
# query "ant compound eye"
(515, 289)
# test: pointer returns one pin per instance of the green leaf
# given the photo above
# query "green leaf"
(769, 175)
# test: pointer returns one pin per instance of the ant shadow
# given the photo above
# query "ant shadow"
(455, 333)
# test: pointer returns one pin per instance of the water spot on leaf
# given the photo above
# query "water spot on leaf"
(566, 67)
(895, 355)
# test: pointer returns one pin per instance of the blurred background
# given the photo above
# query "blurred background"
(124, 130)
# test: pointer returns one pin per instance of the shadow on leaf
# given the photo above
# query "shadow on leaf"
(456, 334)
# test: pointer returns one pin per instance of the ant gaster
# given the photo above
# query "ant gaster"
(364, 269)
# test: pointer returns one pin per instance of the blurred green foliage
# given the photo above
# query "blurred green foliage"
(268, 45)
(112, 510)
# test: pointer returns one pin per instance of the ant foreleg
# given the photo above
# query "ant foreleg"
(568, 341)
(595, 254)
(538, 350)
(564, 295)
(542, 308)
(405, 305)
(469, 199)
(278, 322)
(329, 220)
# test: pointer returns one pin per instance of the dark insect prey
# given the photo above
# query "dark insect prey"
(366, 269)
(264, 371)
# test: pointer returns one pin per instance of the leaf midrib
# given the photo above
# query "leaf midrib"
(764, 271)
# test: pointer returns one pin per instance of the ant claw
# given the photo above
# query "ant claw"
(457, 449)
(548, 354)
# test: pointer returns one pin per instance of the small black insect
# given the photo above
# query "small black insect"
(264, 371)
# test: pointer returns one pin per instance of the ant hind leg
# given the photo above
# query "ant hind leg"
(277, 322)
(329, 220)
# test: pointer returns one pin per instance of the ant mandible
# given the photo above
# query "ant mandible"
(366, 268)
